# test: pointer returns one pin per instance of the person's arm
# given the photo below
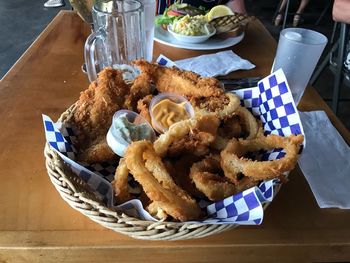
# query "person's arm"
(237, 6)
(341, 11)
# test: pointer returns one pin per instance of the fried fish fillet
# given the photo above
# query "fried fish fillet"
(182, 82)
(142, 107)
(94, 112)
(140, 88)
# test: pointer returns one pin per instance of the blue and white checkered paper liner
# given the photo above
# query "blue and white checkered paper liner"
(271, 101)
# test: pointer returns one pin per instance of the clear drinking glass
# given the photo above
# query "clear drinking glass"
(118, 37)
(298, 52)
(149, 12)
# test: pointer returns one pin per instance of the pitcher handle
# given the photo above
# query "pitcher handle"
(89, 52)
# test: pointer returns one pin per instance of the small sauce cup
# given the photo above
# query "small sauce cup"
(116, 142)
(174, 98)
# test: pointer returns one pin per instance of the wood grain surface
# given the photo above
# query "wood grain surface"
(36, 225)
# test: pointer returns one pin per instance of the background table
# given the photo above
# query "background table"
(37, 225)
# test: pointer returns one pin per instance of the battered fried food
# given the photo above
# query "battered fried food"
(93, 115)
(181, 82)
(148, 169)
(193, 135)
(201, 156)
(155, 211)
(143, 107)
(250, 124)
(234, 164)
(205, 175)
(223, 106)
(179, 169)
(241, 125)
(120, 183)
(140, 88)
(210, 180)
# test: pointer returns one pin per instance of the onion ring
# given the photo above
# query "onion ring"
(205, 126)
(179, 170)
(234, 164)
(250, 124)
(207, 180)
(120, 183)
(155, 211)
(223, 106)
(206, 176)
(148, 169)
(246, 126)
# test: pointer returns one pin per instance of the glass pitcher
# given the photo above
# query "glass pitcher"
(118, 37)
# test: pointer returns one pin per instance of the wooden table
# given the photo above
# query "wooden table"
(37, 225)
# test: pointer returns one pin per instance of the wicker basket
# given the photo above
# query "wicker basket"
(80, 196)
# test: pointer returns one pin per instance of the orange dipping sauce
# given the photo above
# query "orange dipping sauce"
(167, 112)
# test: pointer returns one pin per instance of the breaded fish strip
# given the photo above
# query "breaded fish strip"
(182, 82)
(94, 112)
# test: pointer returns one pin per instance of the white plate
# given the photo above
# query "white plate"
(164, 37)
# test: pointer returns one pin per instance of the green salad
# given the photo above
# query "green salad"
(176, 11)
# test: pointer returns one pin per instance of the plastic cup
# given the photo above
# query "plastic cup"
(116, 142)
(298, 52)
(149, 7)
(173, 97)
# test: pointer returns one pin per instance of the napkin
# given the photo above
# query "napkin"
(325, 161)
(216, 64)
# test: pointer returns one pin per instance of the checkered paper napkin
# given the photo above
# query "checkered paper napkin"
(271, 101)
